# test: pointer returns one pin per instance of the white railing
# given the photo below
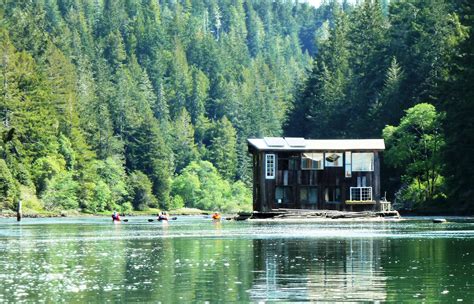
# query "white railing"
(385, 206)
(361, 194)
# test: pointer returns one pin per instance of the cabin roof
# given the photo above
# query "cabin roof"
(301, 144)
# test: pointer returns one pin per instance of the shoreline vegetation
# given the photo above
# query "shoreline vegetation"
(75, 213)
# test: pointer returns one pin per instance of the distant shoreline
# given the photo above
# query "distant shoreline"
(74, 213)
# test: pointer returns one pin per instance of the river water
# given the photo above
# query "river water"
(193, 259)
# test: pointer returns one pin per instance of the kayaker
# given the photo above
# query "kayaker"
(216, 216)
(162, 216)
(115, 217)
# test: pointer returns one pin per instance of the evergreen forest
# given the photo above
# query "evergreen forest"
(137, 104)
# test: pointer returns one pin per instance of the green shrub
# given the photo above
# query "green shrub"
(201, 186)
(29, 199)
(176, 202)
(61, 193)
(126, 207)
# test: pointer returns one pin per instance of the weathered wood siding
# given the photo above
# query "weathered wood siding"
(294, 179)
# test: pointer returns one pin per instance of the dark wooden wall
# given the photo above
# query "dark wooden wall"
(331, 177)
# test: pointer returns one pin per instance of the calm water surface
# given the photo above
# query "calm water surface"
(195, 260)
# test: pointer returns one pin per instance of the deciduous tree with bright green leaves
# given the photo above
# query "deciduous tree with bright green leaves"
(415, 145)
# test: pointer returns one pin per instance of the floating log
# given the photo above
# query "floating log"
(391, 213)
(243, 216)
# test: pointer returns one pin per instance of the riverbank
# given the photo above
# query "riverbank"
(437, 212)
(76, 213)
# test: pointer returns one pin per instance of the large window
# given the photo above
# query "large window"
(362, 162)
(309, 195)
(287, 163)
(292, 163)
(333, 159)
(312, 161)
(269, 166)
(283, 195)
(332, 194)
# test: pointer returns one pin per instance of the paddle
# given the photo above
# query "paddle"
(173, 219)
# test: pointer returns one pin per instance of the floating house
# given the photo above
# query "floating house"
(298, 173)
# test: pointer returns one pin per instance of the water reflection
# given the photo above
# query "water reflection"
(196, 260)
(319, 269)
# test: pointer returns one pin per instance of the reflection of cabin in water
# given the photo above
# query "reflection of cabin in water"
(298, 173)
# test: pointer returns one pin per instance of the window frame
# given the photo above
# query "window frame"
(330, 164)
(287, 195)
(270, 162)
(312, 161)
(362, 169)
(308, 190)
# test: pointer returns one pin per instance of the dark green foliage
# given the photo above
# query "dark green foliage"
(112, 172)
(372, 65)
(183, 144)
(45, 169)
(322, 108)
(9, 192)
(140, 191)
(223, 149)
(459, 123)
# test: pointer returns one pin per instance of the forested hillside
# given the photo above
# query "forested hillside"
(131, 104)
(104, 103)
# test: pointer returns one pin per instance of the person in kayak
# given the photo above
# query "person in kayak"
(163, 216)
(216, 216)
(115, 217)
